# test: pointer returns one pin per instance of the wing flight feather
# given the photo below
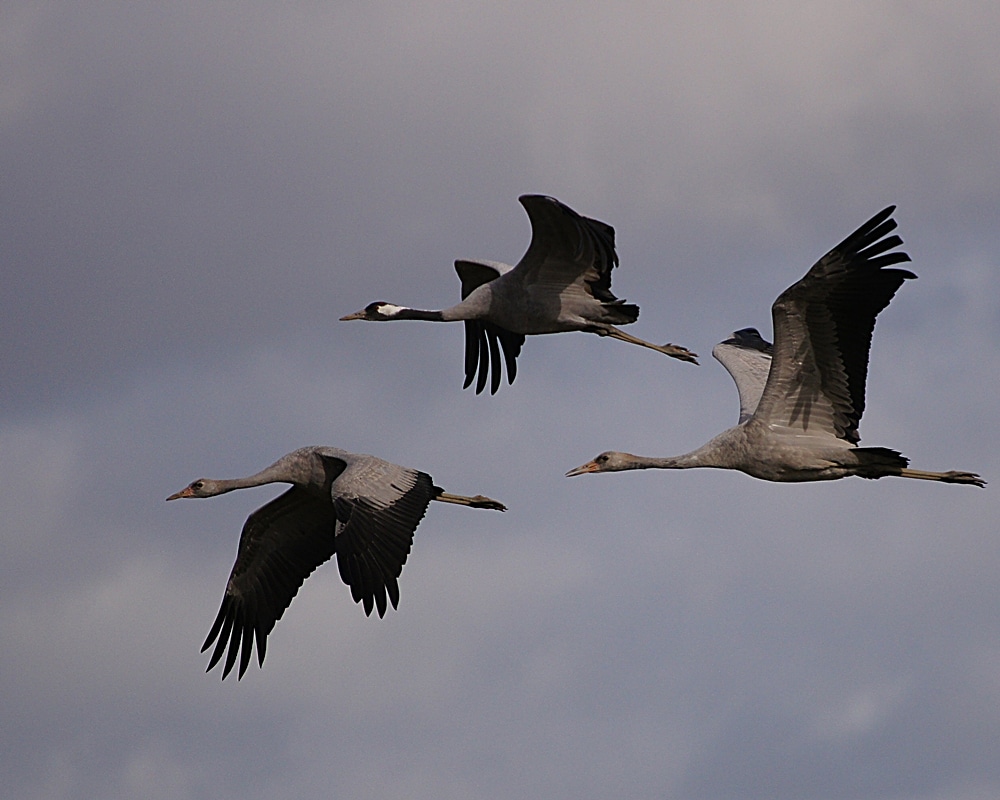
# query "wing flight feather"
(281, 544)
(823, 328)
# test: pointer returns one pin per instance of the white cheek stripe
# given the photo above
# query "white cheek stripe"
(390, 310)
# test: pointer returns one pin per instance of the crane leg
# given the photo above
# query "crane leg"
(479, 501)
(673, 350)
(954, 476)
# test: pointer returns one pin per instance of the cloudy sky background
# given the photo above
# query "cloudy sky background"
(194, 193)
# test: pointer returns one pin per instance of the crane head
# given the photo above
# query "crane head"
(378, 311)
(609, 461)
(202, 487)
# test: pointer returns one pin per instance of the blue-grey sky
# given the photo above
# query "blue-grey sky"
(194, 193)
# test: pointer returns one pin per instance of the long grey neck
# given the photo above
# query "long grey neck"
(686, 461)
(717, 452)
(273, 474)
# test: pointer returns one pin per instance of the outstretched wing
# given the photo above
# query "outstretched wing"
(747, 358)
(485, 340)
(281, 544)
(569, 253)
(823, 330)
(378, 507)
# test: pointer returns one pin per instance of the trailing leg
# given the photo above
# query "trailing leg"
(479, 501)
(673, 350)
(954, 476)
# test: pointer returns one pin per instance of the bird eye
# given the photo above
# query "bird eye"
(602, 458)
(198, 485)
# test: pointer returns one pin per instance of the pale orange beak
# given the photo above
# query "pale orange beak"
(583, 469)
(185, 492)
(355, 315)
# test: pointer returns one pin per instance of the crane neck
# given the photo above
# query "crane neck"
(289, 469)
(686, 461)
(232, 484)
(419, 314)
(472, 307)
(715, 453)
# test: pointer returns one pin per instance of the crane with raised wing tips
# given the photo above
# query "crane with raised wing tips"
(801, 401)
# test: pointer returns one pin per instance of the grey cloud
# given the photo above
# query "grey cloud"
(194, 195)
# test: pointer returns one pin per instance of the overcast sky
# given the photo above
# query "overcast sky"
(193, 194)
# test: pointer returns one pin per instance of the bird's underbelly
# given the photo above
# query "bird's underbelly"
(786, 473)
(532, 318)
(796, 459)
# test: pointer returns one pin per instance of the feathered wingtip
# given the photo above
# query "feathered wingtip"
(231, 630)
(484, 343)
(870, 243)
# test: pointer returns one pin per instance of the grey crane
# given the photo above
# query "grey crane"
(801, 401)
(562, 283)
(360, 507)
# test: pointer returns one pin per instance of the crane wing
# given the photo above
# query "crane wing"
(378, 507)
(568, 252)
(483, 343)
(281, 544)
(569, 261)
(823, 330)
(485, 340)
(747, 358)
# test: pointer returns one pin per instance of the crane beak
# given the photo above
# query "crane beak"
(583, 469)
(185, 492)
(355, 315)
